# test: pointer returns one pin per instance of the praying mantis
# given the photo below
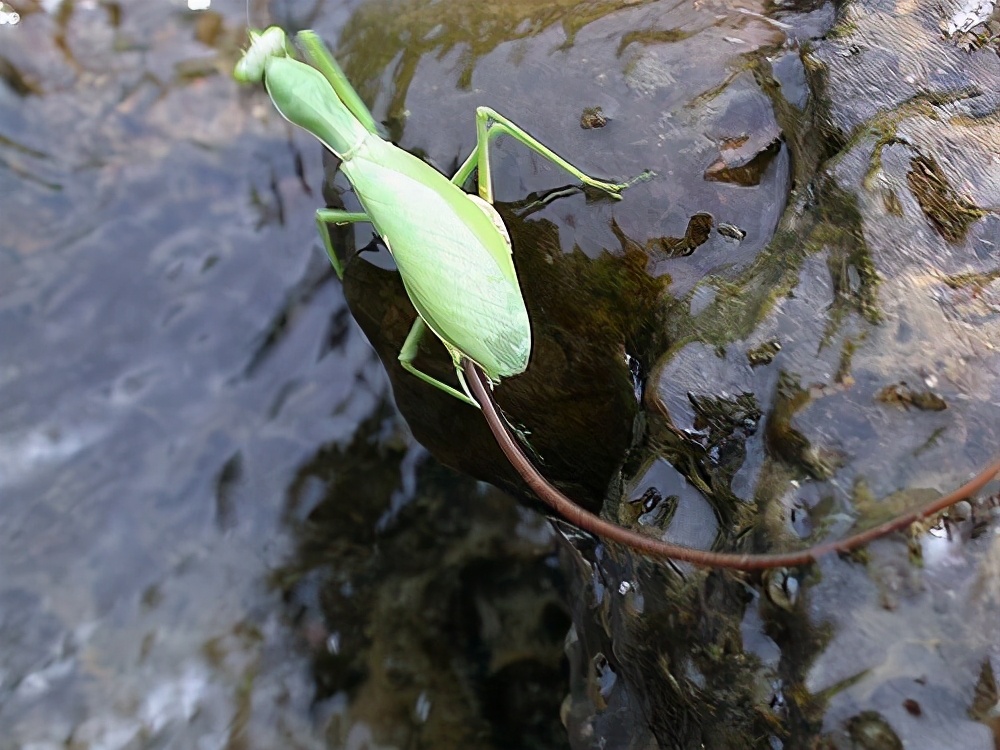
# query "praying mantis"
(455, 259)
(451, 248)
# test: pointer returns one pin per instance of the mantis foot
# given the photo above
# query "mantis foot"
(615, 189)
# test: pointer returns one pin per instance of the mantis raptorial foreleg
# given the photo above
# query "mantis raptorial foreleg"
(489, 124)
(336, 216)
(327, 65)
(409, 352)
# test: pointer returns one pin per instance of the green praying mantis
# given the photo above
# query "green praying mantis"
(454, 257)
(451, 247)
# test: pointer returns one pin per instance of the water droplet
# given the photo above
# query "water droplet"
(604, 675)
(422, 709)
(635, 603)
(782, 588)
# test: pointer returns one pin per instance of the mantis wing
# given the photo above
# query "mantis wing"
(455, 263)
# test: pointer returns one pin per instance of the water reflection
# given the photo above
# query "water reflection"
(139, 461)
(215, 528)
(388, 35)
(454, 652)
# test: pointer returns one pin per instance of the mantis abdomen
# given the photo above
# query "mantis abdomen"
(455, 264)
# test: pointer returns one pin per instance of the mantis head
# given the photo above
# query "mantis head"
(264, 46)
(304, 95)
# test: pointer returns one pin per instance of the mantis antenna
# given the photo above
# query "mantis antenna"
(660, 549)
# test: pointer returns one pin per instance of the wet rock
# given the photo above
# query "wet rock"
(483, 664)
(972, 24)
(698, 230)
(140, 475)
(911, 172)
(746, 132)
(790, 74)
(588, 315)
(869, 731)
(764, 353)
(740, 166)
(593, 117)
(662, 501)
(731, 231)
(20, 83)
(873, 281)
(901, 394)
(885, 61)
(950, 214)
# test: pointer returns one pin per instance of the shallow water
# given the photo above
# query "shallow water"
(183, 395)
(218, 531)
(147, 443)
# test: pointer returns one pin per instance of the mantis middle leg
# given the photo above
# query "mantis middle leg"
(490, 123)
(409, 352)
(336, 216)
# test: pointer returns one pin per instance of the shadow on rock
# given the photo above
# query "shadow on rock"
(576, 405)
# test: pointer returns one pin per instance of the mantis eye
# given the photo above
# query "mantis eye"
(263, 46)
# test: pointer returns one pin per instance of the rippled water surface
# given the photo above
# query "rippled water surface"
(218, 531)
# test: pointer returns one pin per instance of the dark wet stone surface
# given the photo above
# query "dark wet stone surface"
(217, 529)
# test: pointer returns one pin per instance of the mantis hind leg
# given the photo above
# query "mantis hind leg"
(326, 216)
(409, 352)
(489, 124)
